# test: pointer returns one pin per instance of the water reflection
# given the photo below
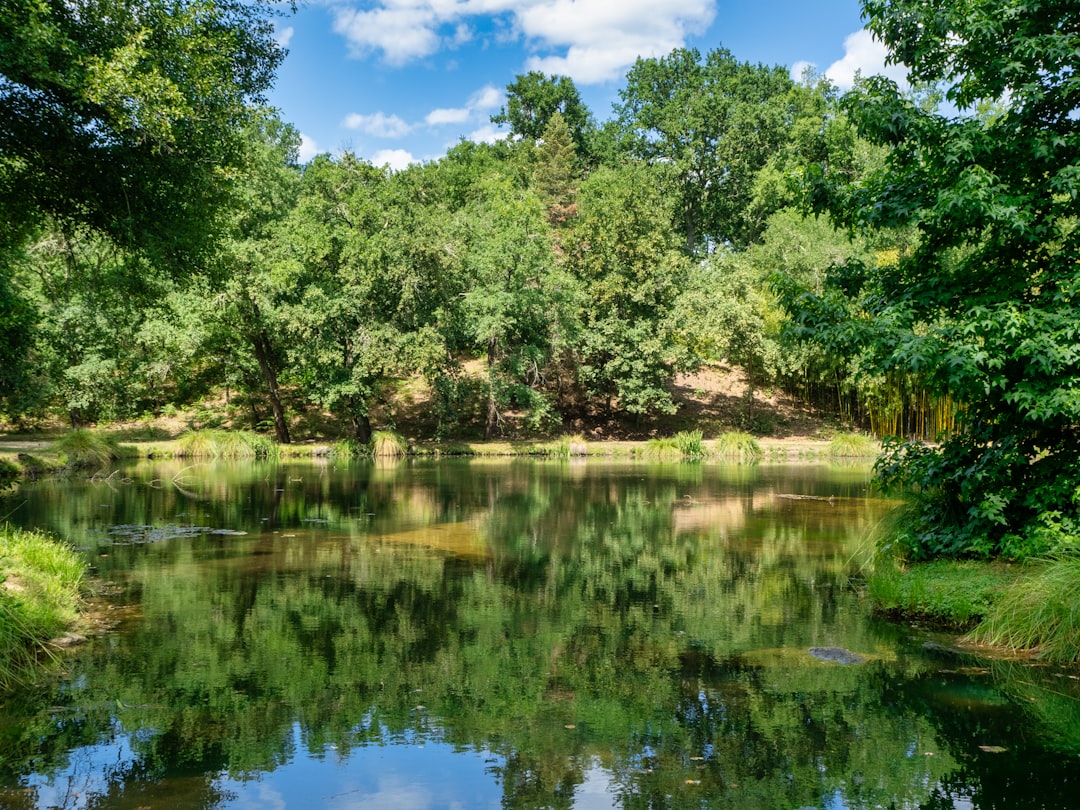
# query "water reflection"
(508, 634)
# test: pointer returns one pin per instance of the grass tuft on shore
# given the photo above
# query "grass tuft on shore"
(86, 448)
(1039, 612)
(40, 581)
(737, 446)
(854, 445)
(229, 444)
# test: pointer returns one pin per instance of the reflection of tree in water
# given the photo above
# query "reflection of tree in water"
(590, 634)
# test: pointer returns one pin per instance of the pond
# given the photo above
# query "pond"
(517, 634)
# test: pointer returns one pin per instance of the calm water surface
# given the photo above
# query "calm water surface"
(484, 634)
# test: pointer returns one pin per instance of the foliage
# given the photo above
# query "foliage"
(533, 99)
(1039, 612)
(39, 598)
(631, 272)
(983, 306)
(124, 116)
(714, 124)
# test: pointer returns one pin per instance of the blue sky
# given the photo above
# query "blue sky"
(402, 80)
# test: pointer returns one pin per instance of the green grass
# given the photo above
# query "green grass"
(663, 447)
(691, 443)
(1039, 612)
(39, 599)
(854, 445)
(737, 446)
(86, 448)
(387, 444)
(953, 593)
(565, 446)
(211, 443)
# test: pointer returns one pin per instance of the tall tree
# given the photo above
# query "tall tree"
(627, 259)
(985, 306)
(713, 125)
(533, 98)
(125, 115)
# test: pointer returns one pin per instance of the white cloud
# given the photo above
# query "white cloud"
(589, 40)
(284, 36)
(864, 54)
(452, 115)
(486, 98)
(308, 148)
(378, 124)
(799, 68)
(396, 159)
(487, 134)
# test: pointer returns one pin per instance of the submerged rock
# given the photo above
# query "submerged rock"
(837, 654)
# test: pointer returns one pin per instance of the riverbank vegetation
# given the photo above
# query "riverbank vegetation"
(40, 597)
(903, 260)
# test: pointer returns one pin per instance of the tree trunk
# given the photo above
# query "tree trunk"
(263, 354)
(361, 427)
(493, 406)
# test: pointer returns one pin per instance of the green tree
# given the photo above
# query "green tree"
(125, 115)
(713, 124)
(626, 256)
(557, 174)
(513, 303)
(985, 305)
(533, 98)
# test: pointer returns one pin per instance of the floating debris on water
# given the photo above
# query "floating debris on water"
(132, 534)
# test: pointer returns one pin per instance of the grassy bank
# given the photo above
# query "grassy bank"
(1031, 608)
(40, 581)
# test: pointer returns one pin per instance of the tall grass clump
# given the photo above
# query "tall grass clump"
(86, 448)
(569, 446)
(1039, 612)
(350, 448)
(737, 446)
(39, 599)
(387, 444)
(854, 445)
(211, 443)
(691, 443)
(663, 447)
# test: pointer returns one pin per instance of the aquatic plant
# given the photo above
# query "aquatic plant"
(691, 443)
(663, 447)
(1039, 611)
(209, 443)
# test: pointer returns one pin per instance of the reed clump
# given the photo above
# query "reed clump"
(737, 446)
(854, 445)
(86, 448)
(387, 444)
(229, 444)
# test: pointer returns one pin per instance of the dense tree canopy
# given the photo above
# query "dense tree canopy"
(984, 305)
